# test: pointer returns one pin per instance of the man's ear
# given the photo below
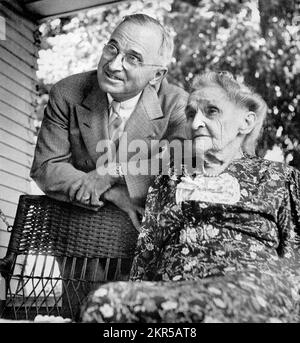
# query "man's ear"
(248, 123)
(159, 75)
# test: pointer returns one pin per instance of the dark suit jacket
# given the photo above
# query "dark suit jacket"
(76, 118)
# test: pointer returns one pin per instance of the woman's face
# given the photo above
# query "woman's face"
(213, 120)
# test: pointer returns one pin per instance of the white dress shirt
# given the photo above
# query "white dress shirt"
(126, 107)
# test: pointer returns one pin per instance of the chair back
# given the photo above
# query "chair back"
(59, 252)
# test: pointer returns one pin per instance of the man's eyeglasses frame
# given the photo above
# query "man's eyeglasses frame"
(111, 55)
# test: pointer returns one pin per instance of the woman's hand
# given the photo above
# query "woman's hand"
(119, 196)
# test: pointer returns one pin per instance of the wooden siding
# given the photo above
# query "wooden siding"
(18, 63)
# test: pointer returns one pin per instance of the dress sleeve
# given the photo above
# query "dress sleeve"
(289, 217)
(161, 220)
(294, 188)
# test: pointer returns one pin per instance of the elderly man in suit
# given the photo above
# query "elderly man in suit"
(128, 94)
(82, 110)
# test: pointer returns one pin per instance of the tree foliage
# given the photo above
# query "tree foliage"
(258, 41)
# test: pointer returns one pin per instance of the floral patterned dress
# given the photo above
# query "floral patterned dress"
(223, 249)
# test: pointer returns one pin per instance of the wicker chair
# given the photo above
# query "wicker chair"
(51, 246)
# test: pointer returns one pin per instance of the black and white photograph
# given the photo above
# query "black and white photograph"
(149, 164)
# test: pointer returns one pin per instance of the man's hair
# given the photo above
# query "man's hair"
(167, 45)
(242, 95)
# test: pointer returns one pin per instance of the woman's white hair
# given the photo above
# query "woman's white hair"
(242, 95)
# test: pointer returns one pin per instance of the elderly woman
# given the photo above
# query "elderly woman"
(219, 244)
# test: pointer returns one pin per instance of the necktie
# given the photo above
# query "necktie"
(115, 124)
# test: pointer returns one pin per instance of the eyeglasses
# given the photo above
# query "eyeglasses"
(129, 60)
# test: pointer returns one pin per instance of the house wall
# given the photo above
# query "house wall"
(18, 64)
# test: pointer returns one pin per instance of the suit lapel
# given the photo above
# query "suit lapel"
(92, 117)
(147, 122)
